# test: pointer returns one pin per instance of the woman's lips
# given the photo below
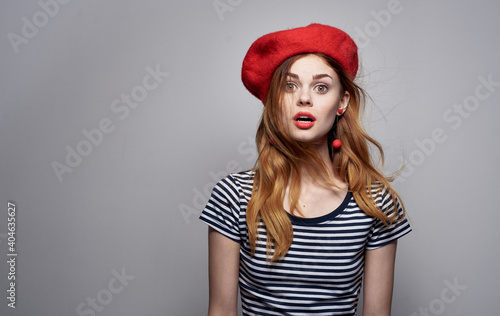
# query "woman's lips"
(304, 120)
(303, 125)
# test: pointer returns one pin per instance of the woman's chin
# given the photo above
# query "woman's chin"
(312, 141)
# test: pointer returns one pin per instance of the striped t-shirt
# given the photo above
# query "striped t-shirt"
(322, 272)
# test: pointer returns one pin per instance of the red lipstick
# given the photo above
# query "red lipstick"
(304, 120)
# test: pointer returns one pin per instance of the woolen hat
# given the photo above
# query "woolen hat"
(270, 50)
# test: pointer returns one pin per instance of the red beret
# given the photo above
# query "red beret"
(270, 50)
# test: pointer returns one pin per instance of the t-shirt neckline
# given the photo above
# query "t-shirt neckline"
(315, 220)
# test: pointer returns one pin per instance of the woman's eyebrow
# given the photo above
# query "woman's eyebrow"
(315, 77)
(319, 76)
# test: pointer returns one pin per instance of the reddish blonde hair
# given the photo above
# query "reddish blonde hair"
(281, 162)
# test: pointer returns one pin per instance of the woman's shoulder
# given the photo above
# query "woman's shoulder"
(381, 193)
(246, 175)
(387, 199)
(240, 180)
(236, 186)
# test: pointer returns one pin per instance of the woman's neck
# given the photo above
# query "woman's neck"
(310, 179)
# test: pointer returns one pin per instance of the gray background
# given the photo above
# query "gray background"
(131, 204)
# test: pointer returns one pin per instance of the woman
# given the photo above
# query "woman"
(300, 231)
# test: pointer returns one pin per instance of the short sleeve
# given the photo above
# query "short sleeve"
(380, 234)
(222, 211)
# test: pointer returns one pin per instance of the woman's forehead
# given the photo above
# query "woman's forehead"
(311, 65)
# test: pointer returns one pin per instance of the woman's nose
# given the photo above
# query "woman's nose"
(304, 98)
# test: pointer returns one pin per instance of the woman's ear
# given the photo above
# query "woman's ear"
(344, 103)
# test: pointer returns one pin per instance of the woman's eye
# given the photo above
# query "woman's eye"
(321, 88)
(290, 86)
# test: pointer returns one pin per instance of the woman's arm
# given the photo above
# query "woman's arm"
(379, 280)
(223, 275)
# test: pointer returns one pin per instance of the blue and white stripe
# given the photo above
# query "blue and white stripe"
(323, 269)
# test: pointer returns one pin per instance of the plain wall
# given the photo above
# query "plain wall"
(107, 194)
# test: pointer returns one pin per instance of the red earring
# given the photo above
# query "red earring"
(337, 143)
(271, 140)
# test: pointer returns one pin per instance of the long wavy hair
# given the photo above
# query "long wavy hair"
(281, 158)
